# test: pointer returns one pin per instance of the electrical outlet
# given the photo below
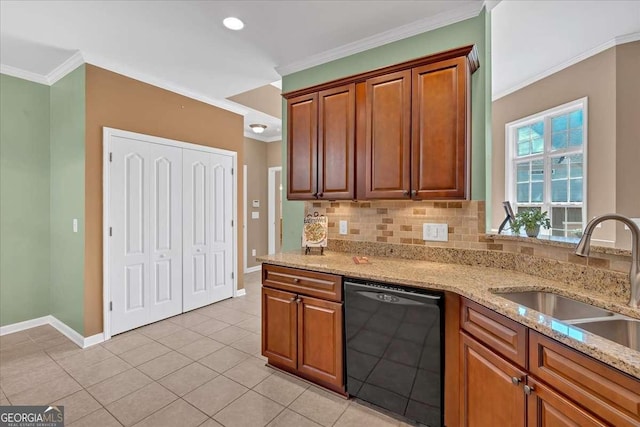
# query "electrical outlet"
(435, 232)
(253, 252)
(343, 227)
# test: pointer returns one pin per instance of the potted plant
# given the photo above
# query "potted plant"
(531, 220)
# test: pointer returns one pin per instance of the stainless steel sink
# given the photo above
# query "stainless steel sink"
(556, 306)
(623, 331)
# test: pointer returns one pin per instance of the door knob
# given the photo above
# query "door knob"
(198, 250)
(161, 255)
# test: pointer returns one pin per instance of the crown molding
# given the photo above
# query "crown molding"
(389, 36)
(255, 136)
(627, 38)
(65, 68)
(23, 74)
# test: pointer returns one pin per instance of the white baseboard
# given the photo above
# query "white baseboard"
(241, 292)
(253, 269)
(63, 328)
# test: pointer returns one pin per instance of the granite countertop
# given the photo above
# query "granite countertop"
(479, 284)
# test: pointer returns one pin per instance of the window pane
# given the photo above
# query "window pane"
(576, 165)
(559, 123)
(524, 133)
(523, 172)
(537, 192)
(557, 221)
(537, 145)
(566, 222)
(523, 193)
(559, 191)
(575, 119)
(537, 171)
(523, 148)
(574, 215)
(559, 167)
(575, 138)
(576, 190)
(559, 141)
(537, 129)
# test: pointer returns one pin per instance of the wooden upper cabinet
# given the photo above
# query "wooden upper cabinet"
(336, 142)
(302, 154)
(388, 136)
(440, 114)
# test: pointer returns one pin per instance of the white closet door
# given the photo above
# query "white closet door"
(145, 247)
(207, 244)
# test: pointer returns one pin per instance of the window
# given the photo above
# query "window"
(546, 166)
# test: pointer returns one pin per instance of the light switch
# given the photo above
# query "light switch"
(343, 227)
(255, 215)
(253, 252)
(435, 232)
(75, 225)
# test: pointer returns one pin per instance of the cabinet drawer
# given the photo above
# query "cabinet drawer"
(311, 283)
(503, 335)
(606, 392)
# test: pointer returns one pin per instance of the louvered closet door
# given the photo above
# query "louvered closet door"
(146, 242)
(207, 239)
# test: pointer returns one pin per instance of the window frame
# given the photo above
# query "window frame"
(511, 158)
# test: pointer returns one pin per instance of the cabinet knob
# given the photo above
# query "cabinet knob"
(528, 390)
(293, 299)
(320, 195)
(515, 380)
(296, 280)
(413, 193)
(315, 195)
(406, 192)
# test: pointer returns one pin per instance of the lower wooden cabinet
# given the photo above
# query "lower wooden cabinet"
(491, 388)
(303, 335)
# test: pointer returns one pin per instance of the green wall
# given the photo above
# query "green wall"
(67, 198)
(470, 31)
(24, 200)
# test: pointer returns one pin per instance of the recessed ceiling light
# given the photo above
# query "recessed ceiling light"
(233, 23)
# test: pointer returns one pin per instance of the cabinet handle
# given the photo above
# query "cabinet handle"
(406, 192)
(515, 380)
(315, 195)
(320, 195)
(298, 300)
(413, 193)
(293, 299)
(296, 280)
(528, 390)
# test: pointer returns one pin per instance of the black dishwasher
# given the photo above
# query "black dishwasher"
(394, 345)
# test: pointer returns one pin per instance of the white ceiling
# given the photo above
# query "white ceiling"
(533, 39)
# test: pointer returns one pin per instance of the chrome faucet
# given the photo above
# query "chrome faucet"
(584, 246)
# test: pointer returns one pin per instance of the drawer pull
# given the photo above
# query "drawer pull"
(528, 390)
(515, 380)
(296, 280)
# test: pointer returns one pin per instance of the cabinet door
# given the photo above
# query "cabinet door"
(388, 136)
(491, 389)
(546, 408)
(302, 146)
(336, 142)
(279, 343)
(320, 340)
(440, 98)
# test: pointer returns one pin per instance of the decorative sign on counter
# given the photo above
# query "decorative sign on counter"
(314, 232)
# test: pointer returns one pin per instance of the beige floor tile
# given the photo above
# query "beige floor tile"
(164, 365)
(188, 378)
(86, 357)
(229, 335)
(30, 377)
(211, 423)
(160, 329)
(9, 340)
(253, 325)
(141, 403)
(116, 387)
(224, 359)
(77, 405)
(4, 402)
(178, 413)
(215, 395)
(140, 355)
(46, 344)
(63, 350)
(43, 333)
(225, 314)
(201, 348)
(125, 342)
(251, 344)
(90, 375)
(209, 327)
(250, 410)
(19, 351)
(189, 320)
(357, 415)
(319, 406)
(249, 372)
(282, 388)
(289, 418)
(180, 339)
(99, 418)
(47, 392)
(23, 365)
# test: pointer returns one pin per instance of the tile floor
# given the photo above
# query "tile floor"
(202, 368)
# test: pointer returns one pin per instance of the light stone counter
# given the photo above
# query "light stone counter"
(479, 284)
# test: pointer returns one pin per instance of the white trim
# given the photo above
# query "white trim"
(628, 38)
(244, 223)
(24, 75)
(418, 27)
(65, 68)
(21, 326)
(241, 292)
(253, 269)
(62, 327)
(271, 209)
(107, 133)
(252, 135)
(277, 84)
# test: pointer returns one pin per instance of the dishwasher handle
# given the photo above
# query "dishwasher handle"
(374, 287)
